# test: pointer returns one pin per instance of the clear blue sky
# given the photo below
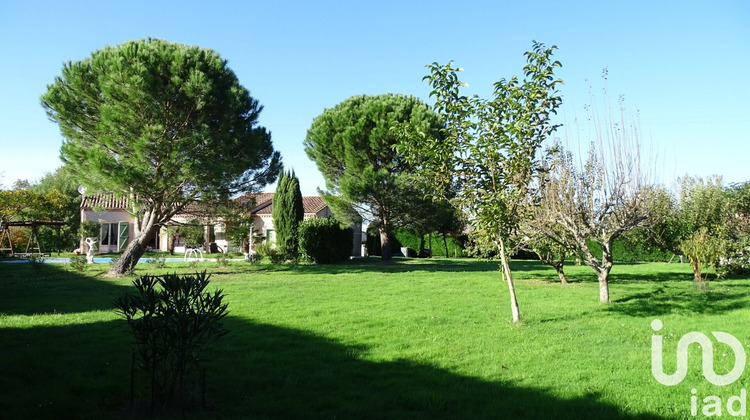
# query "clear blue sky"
(683, 65)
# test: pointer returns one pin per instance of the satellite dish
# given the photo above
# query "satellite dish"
(81, 190)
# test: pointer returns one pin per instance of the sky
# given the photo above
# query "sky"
(680, 67)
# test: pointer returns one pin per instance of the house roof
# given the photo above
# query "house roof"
(104, 202)
(262, 200)
(263, 203)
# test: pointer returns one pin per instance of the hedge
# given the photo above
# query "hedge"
(325, 241)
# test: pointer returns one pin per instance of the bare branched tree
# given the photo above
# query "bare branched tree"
(608, 195)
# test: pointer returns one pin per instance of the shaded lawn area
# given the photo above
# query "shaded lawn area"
(410, 339)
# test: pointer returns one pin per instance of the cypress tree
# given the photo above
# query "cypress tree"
(288, 212)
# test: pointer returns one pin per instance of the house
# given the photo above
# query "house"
(116, 224)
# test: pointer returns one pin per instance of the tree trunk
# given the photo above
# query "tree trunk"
(445, 244)
(420, 251)
(603, 273)
(385, 244)
(133, 252)
(561, 274)
(697, 275)
(506, 273)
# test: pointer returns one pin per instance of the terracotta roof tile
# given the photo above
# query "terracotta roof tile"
(104, 202)
(261, 199)
(311, 203)
(262, 203)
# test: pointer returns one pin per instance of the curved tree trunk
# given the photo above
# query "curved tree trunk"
(145, 228)
(561, 274)
(507, 275)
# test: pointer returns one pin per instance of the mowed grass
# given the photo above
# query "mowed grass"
(410, 339)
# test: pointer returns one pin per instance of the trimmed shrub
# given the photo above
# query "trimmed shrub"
(626, 250)
(411, 241)
(325, 241)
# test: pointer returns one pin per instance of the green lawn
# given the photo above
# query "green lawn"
(412, 339)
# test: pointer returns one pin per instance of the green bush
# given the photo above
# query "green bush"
(89, 229)
(407, 239)
(36, 262)
(222, 260)
(325, 241)
(266, 249)
(276, 257)
(79, 263)
(626, 250)
(239, 236)
(253, 259)
(193, 234)
(262, 250)
(173, 319)
(157, 261)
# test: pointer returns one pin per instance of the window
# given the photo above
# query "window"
(109, 234)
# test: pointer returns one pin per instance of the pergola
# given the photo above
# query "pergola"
(32, 247)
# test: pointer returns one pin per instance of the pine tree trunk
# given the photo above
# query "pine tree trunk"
(515, 311)
(133, 252)
(385, 244)
(445, 244)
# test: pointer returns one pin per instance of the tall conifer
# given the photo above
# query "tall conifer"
(288, 212)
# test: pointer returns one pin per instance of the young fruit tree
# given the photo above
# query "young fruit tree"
(162, 124)
(486, 155)
(540, 233)
(702, 224)
(352, 145)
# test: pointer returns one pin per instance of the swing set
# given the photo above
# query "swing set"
(32, 247)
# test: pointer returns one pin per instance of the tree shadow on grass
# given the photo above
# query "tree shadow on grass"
(284, 373)
(54, 289)
(527, 269)
(407, 265)
(261, 371)
(667, 299)
(397, 265)
(64, 371)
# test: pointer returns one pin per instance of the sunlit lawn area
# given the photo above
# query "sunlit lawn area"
(412, 339)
